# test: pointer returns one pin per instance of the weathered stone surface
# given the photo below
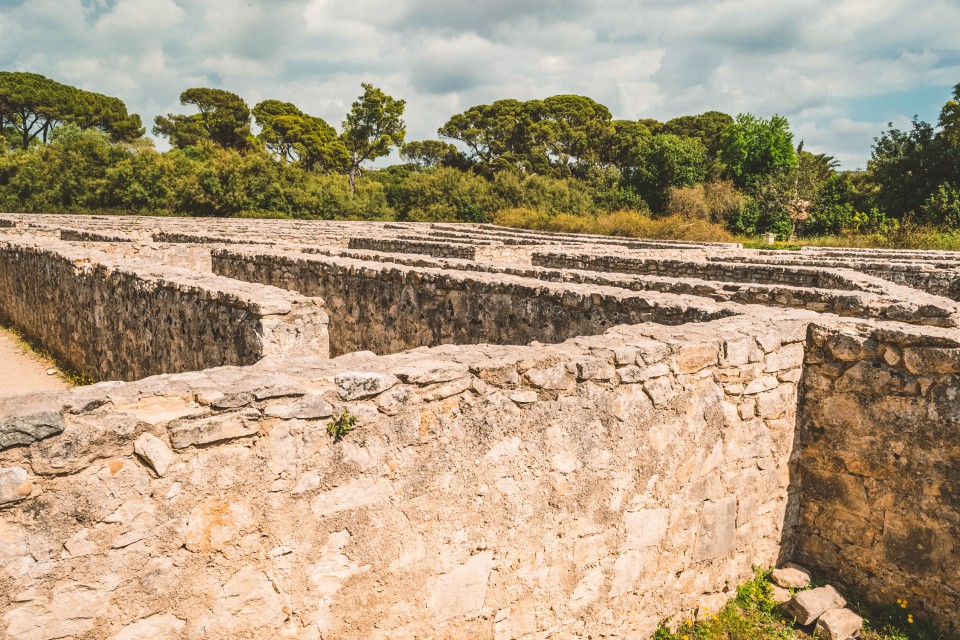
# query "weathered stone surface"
(69, 609)
(248, 600)
(790, 576)
(162, 626)
(807, 606)
(188, 433)
(717, 532)
(686, 411)
(25, 419)
(154, 452)
(424, 373)
(309, 407)
(359, 385)
(839, 624)
(213, 524)
(462, 591)
(14, 485)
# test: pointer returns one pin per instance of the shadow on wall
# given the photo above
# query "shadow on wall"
(879, 462)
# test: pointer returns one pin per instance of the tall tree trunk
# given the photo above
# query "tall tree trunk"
(353, 178)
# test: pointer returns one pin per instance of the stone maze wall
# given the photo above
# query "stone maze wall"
(880, 453)
(557, 447)
(122, 320)
(390, 308)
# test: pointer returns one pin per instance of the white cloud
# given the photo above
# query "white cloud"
(825, 64)
(139, 15)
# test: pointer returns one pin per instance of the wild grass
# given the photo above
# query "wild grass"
(626, 224)
(753, 615)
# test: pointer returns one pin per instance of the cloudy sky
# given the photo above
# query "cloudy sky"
(838, 69)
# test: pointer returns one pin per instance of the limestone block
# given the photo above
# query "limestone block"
(634, 374)
(761, 384)
(232, 401)
(593, 368)
(839, 624)
(645, 527)
(526, 396)
(86, 438)
(789, 357)
(309, 407)
(391, 402)
(463, 590)
(70, 609)
(717, 533)
(187, 433)
(154, 452)
(587, 590)
(248, 599)
(431, 372)
(737, 352)
(931, 360)
(516, 621)
(845, 346)
(278, 389)
(776, 402)
(791, 576)
(630, 401)
(693, 358)
(807, 606)
(213, 524)
(14, 485)
(556, 377)
(159, 576)
(649, 351)
(361, 384)
(22, 424)
(780, 595)
(358, 494)
(446, 389)
(162, 626)
(661, 390)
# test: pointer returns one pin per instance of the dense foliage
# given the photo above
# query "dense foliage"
(560, 163)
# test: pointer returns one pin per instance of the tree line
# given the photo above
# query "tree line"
(66, 149)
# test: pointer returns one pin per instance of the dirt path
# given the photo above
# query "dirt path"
(21, 370)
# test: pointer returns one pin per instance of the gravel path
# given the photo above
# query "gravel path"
(21, 370)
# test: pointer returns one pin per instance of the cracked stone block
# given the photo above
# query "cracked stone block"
(807, 606)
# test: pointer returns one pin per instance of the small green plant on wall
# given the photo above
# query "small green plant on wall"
(342, 425)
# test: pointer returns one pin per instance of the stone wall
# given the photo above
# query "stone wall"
(585, 489)
(387, 308)
(730, 272)
(124, 320)
(880, 482)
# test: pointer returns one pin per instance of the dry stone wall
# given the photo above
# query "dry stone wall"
(591, 487)
(389, 308)
(134, 324)
(563, 437)
(880, 488)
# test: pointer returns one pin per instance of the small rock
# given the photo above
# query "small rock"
(359, 385)
(524, 397)
(807, 606)
(51, 372)
(780, 595)
(839, 624)
(232, 401)
(790, 576)
(154, 452)
(14, 485)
